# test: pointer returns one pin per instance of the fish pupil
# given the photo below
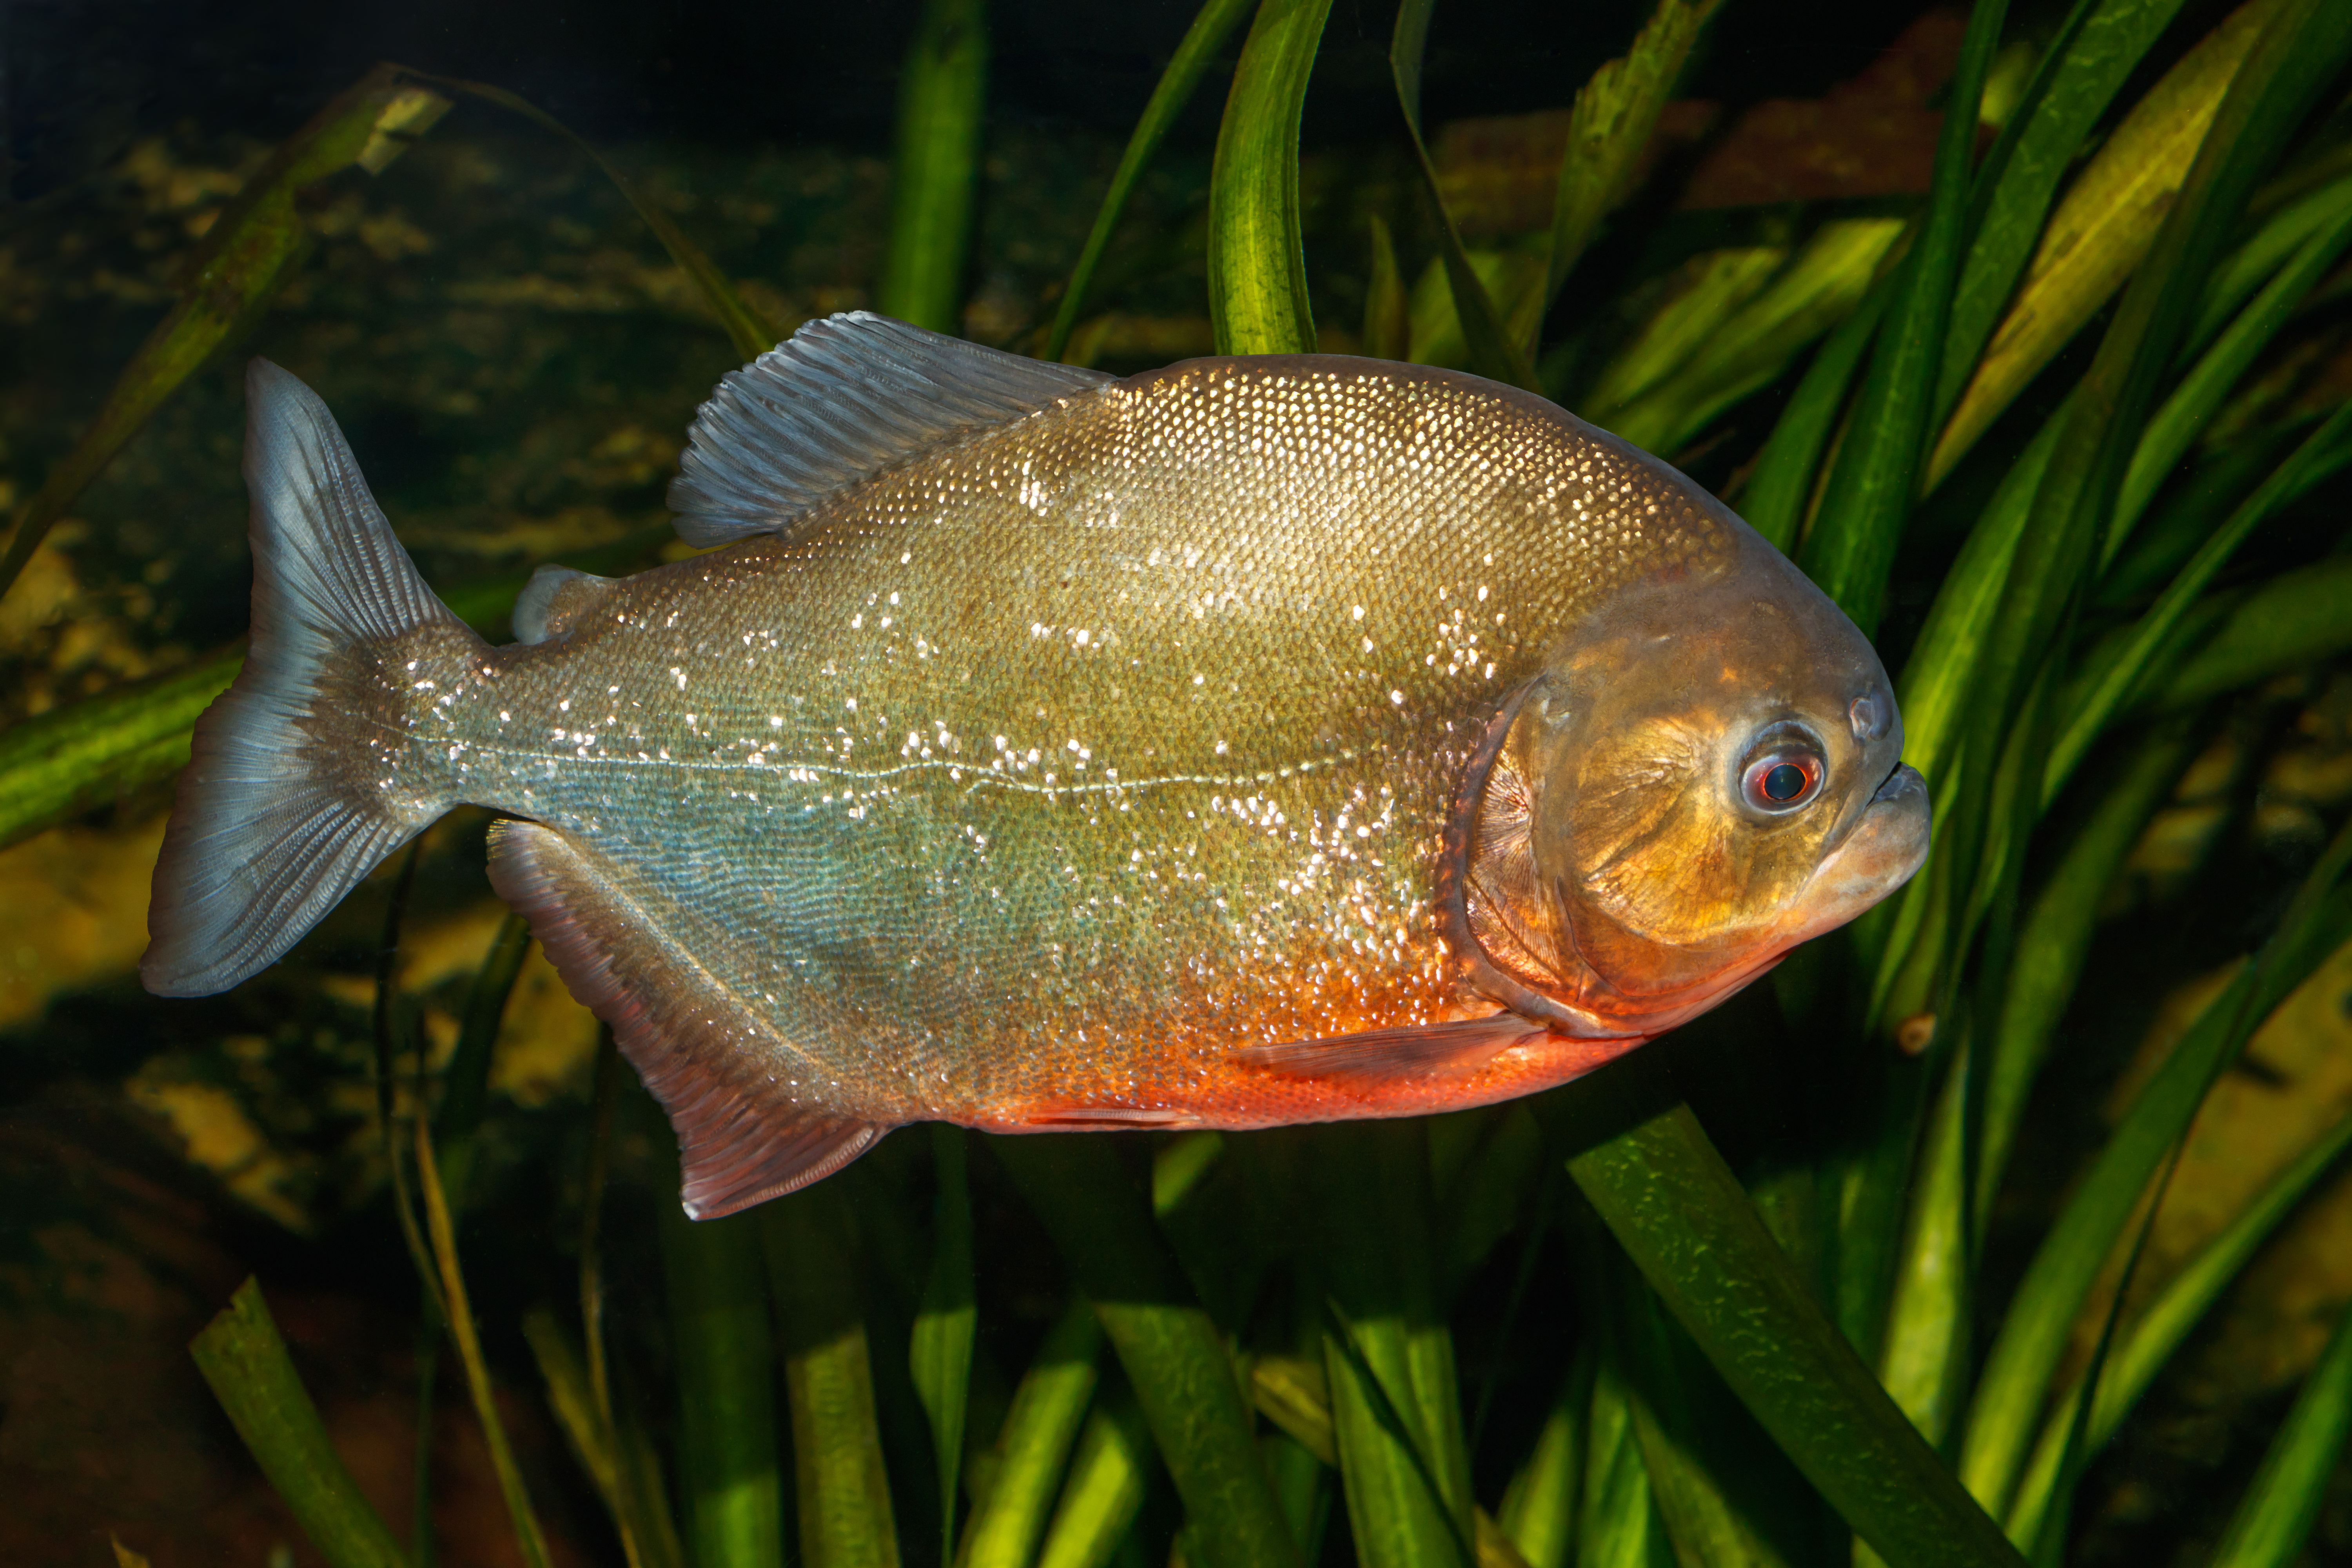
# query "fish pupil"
(1786, 781)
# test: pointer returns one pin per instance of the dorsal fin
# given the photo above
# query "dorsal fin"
(839, 400)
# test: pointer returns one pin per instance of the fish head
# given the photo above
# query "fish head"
(1707, 772)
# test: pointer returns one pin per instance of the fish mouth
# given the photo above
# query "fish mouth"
(1901, 780)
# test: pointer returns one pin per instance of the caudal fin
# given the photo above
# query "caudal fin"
(300, 783)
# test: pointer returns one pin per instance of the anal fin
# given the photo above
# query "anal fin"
(1380, 1057)
(742, 1136)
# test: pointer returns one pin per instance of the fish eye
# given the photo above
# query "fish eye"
(1783, 777)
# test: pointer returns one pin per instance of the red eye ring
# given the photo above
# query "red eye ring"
(1781, 780)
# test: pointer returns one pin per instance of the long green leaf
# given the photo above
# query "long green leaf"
(2282, 74)
(254, 245)
(2112, 214)
(1395, 1410)
(73, 759)
(2005, 1409)
(729, 1477)
(935, 168)
(843, 1490)
(2052, 943)
(1210, 29)
(1852, 543)
(2293, 620)
(2155, 639)
(1617, 1523)
(1679, 1210)
(2257, 261)
(1539, 1507)
(1108, 1477)
(1048, 1410)
(2147, 1344)
(1921, 1357)
(1937, 679)
(1780, 486)
(2192, 402)
(1494, 352)
(244, 1360)
(2283, 1501)
(466, 1082)
(938, 1355)
(1610, 125)
(1821, 287)
(2081, 71)
(1257, 261)
(1100, 1218)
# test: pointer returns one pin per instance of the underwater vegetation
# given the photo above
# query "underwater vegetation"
(2004, 1224)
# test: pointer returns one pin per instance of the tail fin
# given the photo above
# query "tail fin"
(289, 799)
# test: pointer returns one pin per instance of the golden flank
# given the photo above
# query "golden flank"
(1249, 741)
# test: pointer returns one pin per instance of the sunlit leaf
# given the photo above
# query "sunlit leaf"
(1258, 265)
(1781, 487)
(1108, 1475)
(2079, 75)
(1539, 1507)
(1100, 1219)
(1048, 1412)
(841, 1486)
(2104, 227)
(1821, 286)
(1681, 1213)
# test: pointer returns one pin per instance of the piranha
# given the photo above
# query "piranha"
(1256, 741)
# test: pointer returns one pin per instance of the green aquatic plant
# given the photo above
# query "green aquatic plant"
(1265, 1339)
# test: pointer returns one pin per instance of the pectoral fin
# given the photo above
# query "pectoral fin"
(746, 1131)
(1380, 1057)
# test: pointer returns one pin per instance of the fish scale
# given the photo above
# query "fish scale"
(1107, 756)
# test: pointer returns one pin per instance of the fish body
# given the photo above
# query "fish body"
(1251, 742)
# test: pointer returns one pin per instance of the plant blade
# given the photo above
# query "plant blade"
(1210, 27)
(1100, 1219)
(244, 1359)
(935, 170)
(1258, 265)
(938, 1355)
(250, 251)
(1494, 352)
(1612, 122)
(1679, 1210)
(842, 1489)
(2283, 1501)
(1048, 1410)
(1851, 544)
